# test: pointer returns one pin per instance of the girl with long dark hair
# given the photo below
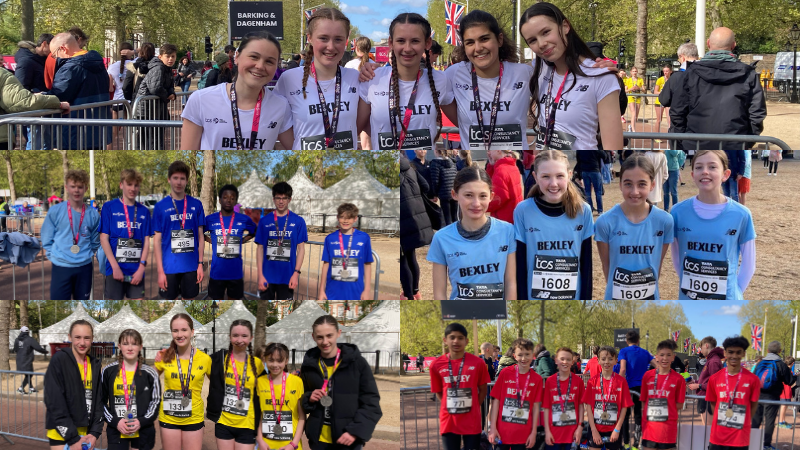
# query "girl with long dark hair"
(283, 419)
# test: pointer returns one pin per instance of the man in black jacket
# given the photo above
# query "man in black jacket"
(719, 95)
(24, 345)
(423, 168)
(30, 59)
(295, 61)
(782, 375)
(687, 52)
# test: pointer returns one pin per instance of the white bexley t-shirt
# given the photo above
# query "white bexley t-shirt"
(355, 62)
(308, 115)
(210, 108)
(113, 70)
(422, 126)
(512, 113)
(577, 110)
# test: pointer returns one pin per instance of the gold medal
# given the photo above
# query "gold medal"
(728, 413)
(564, 417)
(604, 416)
(519, 412)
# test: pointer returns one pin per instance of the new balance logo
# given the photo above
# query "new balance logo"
(659, 233)
(621, 233)
(731, 232)
(579, 228)
(517, 85)
(503, 248)
(533, 229)
(583, 88)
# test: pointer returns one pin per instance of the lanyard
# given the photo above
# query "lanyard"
(283, 393)
(285, 224)
(125, 385)
(237, 129)
(550, 113)
(457, 382)
(406, 116)
(345, 256)
(239, 385)
(605, 397)
(569, 389)
(185, 389)
(330, 126)
(128, 220)
(325, 370)
(85, 368)
(71, 226)
(183, 219)
(732, 397)
(225, 232)
(487, 139)
(663, 385)
(521, 396)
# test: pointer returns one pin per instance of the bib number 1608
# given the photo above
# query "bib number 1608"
(555, 283)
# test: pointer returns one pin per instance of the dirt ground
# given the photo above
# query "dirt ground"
(776, 220)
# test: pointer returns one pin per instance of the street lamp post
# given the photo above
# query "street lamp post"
(593, 7)
(794, 37)
(647, 340)
(214, 308)
(47, 203)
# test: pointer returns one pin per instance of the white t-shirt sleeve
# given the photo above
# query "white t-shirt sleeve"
(748, 267)
(606, 84)
(444, 87)
(193, 112)
(280, 87)
(288, 118)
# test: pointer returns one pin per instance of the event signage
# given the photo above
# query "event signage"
(255, 16)
(473, 309)
(619, 337)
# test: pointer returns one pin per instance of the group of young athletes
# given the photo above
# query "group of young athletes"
(252, 396)
(488, 95)
(547, 252)
(565, 412)
(178, 227)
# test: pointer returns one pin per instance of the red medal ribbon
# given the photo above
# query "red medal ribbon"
(522, 393)
(69, 212)
(230, 228)
(125, 385)
(283, 394)
(325, 371)
(606, 397)
(128, 220)
(345, 256)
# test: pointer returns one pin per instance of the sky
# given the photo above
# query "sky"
(713, 318)
(372, 17)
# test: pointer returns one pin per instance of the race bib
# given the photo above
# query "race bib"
(554, 278)
(611, 414)
(459, 401)
(230, 400)
(633, 284)
(561, 140)
(558, 415)
(128, 250)
(513, 412)
(173, 406)
(415, 140)
(271, 430)
(121, 410)
(282, 253)
(182, 241)
(480, 291)
(342, 140)
(505, 137)
(704, 280)
(339, 273)
(657, 410)
(736, 419)
(230, 251)
(88, 396)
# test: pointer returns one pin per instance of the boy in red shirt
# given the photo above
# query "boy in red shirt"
(732, 394)
(563, 394)
(460, 381)
(663, 394)
(608, 398)
(519, 390)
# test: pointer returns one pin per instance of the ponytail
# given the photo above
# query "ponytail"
(434, 94)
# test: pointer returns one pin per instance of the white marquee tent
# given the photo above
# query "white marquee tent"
(255, 194)
(295, 329)
(236, 311)
(379, 330)
(124, 319)
(359, 182)
(157, 334)
(58, 332)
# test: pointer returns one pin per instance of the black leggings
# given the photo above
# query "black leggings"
(27, 380)
(766, 161)
(773, 167)
(450, 210)
(409, 272)
(452, 441)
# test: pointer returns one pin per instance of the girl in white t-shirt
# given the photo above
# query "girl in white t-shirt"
(394, 118)
(224, 116)
(362, 48)
(322, 121)
(590, 98)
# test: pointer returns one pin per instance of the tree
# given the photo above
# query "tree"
(641, 36)
(23, 313)
(261, 323)
(27, 20)
(5, 312)
(13, 316)
(207, 192)
(193, 172)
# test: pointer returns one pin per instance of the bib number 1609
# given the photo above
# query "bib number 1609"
(555, 283)
(703, 286)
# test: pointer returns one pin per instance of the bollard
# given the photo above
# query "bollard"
(324, 219)
(377, 360)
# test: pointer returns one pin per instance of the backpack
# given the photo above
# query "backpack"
(767, 372)
(202, 83)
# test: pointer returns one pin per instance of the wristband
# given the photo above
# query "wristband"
(617, 431)
(292, 444)
(298, 271)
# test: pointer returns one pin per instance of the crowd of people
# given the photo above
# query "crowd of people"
(530, 398)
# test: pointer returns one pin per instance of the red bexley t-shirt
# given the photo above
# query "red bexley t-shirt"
(474, 374)
(672, 388)
(506, 387)
(593, 367)
(616, 392)
(747, 393)
(565, 434)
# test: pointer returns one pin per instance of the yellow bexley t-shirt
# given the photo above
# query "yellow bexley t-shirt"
(629, 84)
(171, 410)
(232, 416)
(660, 83)
(119, 399)
(326, 436)
(87, 386)
(291, 400)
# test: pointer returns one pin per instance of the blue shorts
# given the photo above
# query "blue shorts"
(71, 283)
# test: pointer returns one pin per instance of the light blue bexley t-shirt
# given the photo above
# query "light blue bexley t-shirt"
(476, 269)
(710, 250)
(634, 252)
(554, 250)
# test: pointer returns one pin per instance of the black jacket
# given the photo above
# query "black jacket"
(158, 81)
(147, 392)
(24, 345)
(135, 73)
(216, 388)
(443, 173)
(425, 171)
(30, 68)
(65, 399)
(415, 225)
(718, 97)
(356, 405)
(784, 375)
(668, 93)
(590, 160)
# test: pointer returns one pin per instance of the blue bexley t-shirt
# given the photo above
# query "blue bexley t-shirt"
(710, 250)
(360, 250)
(279, 262)
(634, 252)
(476, 268)
(637, 362)
(226, 260)
(114, 224)
(179, 254)
(554, 250)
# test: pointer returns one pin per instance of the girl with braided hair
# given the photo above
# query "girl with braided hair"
(401, 105)
(321, 92)
(232, 398)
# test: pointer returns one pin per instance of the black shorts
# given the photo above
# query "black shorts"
(240, 435)
(145, 441)
(183, 284)
(702, 406)
(277, 292)
(189, 427)
(118, 290)
(217, 289)
(607, 445)
(118, 108)
(724, 447)
(657, 445)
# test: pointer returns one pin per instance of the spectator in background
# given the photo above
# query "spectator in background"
(25, 345)
(675, 160)
(420, 363)
(576, 363)
(294, 62)
(464, 159)
(744, 182)
(634, 361)
(506, 184)
(30, 59)
(423, 169)
(589, 165)
(184, 77)
(713, 357)
(443, 174)
(117, 71)
(787, 396)
(158, 81)
(436, 51)
(673, 86)
(416, 230)
(544, 363)
(774, 375)
(231, 52)
(136, 71)
(5, 210)
(775, 156)
(593, 365)
(487, 353)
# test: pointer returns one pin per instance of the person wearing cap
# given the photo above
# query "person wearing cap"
(24, 345)
(221, 72)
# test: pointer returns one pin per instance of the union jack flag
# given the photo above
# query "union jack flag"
(686, 344)
(755, 334)
(353, 44)
(310, 12)
(675, 335)
(452, 20)
(694, 348)
(433, 34)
